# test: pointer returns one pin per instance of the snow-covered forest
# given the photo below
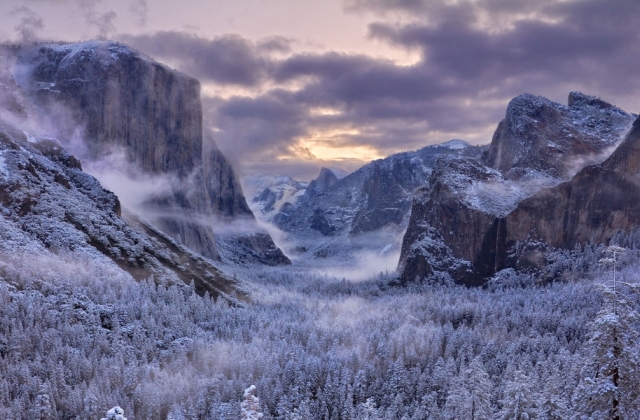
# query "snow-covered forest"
(77, 338)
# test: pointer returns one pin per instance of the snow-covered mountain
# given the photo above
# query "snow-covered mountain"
(474, 217)
(50, 207)
(341, 220)
(270, 192)
(138, 126)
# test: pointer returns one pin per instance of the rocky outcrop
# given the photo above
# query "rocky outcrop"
(48, 205)
(125, 102)
(327, 179)
(552, 139)
(595, 205)
(478, 217)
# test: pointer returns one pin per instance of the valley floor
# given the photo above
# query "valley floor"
(77, 338)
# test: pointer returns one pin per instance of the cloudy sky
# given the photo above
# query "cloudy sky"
(292, 85)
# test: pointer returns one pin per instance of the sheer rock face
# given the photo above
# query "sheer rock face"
(479, 217)
(540, 135)
(48, 204)
(596, 204)
(125, 102)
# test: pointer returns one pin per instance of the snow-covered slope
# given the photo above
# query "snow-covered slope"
(48, 205)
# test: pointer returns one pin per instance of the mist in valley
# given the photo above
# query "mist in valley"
(78, 336)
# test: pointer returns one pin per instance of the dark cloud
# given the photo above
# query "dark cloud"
(475, 57)
(228, 59)
(275, 44)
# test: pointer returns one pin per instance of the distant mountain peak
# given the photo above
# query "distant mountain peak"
(454, 144)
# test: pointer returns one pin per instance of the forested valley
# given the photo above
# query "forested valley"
(77, 338)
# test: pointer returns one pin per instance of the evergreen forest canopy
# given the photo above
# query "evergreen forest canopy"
(77, 338)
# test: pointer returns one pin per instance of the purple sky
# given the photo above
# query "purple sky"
(292, 85)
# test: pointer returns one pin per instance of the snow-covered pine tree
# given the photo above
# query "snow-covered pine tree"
(552, 402)
(480, 389)
(116, 413)
(519, 402)
(470, 396)
(611, 374)
(251, 405)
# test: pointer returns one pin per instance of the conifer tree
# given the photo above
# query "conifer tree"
(611, 374)
(251, 405)
(480, 388)
(519, 401)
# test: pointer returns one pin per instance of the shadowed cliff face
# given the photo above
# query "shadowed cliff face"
(599, 202)
(476, 220)
(49, 205)
(446, 232)
(127, 103)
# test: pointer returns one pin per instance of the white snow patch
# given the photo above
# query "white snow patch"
(338, 172)
(454, 144)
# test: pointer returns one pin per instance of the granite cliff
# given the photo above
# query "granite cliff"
(124, 102)
(478, 216)
(49, 206)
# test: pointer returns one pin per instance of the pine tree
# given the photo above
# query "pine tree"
(519, 401)
(251, 405)
(611, 374)
(470, 394)
(480, 388)
(552, 403)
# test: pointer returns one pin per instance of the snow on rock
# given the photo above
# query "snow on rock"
(548, 137)
(270, 192)
(454, 144)
(3, 167)
(139, 122)
(467, 212)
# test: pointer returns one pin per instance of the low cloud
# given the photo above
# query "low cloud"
(269, 103)
(29, 26)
